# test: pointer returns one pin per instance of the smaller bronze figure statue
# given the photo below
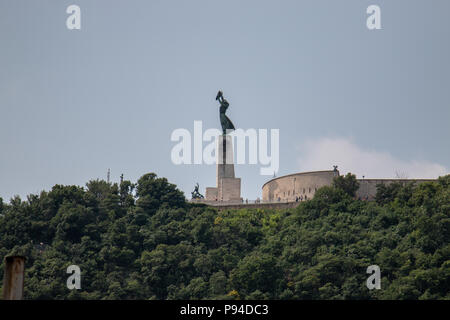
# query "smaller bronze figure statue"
(335, 171)
(224, 120)
(196, 194)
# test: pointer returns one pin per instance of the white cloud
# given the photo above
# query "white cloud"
(323, 153)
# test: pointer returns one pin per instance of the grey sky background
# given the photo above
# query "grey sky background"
(75, 103)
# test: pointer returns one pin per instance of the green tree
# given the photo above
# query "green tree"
(153, 245)
(153, 192)
(347, 183)
(257, 272)
(218, 283)
(387, 193)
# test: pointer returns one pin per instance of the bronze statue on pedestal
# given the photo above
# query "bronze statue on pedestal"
(224, 120)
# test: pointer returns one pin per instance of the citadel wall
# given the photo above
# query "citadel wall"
(302, 186)
(368, 187)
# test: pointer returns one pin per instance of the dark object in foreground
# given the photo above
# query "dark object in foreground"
(13, 278)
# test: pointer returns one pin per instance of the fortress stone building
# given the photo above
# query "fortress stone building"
(296, 186)
(290, 188)
(302, 186)
(287, 189)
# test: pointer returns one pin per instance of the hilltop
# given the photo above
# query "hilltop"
(145, 241)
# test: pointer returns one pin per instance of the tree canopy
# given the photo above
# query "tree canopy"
(144, 241)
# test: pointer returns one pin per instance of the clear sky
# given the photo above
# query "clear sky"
(74, 103)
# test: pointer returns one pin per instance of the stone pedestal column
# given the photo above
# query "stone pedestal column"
(228, 187)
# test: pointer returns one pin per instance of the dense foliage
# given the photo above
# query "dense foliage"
(145, 241)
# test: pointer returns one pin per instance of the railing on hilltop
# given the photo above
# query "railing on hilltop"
(245, 202)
